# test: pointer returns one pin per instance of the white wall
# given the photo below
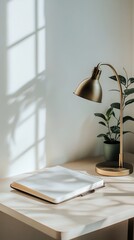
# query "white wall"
(81, 33)
(22, 86)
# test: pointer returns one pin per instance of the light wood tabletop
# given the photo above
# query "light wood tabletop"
(106, 206)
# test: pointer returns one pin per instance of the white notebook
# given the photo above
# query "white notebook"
(58, 184)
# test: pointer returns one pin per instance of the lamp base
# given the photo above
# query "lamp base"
(111, 168)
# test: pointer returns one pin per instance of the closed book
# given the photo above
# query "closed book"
(57, 184)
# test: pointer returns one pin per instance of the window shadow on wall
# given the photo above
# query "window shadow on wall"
(22, 86)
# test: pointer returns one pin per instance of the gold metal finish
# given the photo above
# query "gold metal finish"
(90, 89)
(111, 168)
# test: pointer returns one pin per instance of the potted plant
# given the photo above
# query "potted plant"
(111, 120)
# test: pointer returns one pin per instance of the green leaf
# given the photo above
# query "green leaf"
(114, 90)
(122, 79)
(107, 138)
(131, 80)
(126, 118)
(113, 113)
(129, 91)
(102, 123)
(109, 113)
(101, 135)
(115, 105)
(129, 101)
(100, 115)
(115, 129)
(124, 132)
(113, 78)
(104, 136)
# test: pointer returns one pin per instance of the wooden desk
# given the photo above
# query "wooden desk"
(106, 206)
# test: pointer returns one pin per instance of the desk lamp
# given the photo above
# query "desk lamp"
(90, 89)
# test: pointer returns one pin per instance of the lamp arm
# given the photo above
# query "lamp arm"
(121, 111)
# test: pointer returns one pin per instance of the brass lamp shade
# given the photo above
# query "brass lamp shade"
(90, 88)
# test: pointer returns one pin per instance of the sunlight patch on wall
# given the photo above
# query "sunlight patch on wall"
(21, 64)
(20, 19)
(41, 12)
(41, 48)
(25, 109)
